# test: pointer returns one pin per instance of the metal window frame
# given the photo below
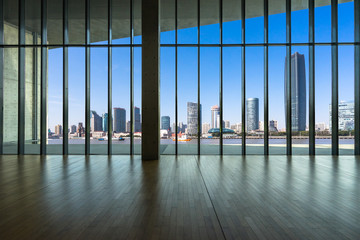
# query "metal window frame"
(21, 79)
(334, 79)
(311, 78)
(288, 79)
(357, 75)
(243, 77)
(87, 77)
(1, 77)
(266, 78)
(65, 78)
(43, 104)
(109, 122)
(132, 106)
(198, 78)
(176, 78)
(221, 77)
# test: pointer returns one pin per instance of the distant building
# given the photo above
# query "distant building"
(215, 116)
(165, 123)
(298, 92)
(105, 122)
(128, 126)
(261, 126)
(192, 118)
(137, 127)
(73, 129)
(227, 124)
(58, 130)
(319, 127)
(95, 122)
(236, 127)
(346, 115)
(273, 126)
(119, 120)
(205, 128)
(80, 130)
(252, 116)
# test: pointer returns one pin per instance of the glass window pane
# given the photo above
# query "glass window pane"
(77, 99)
(299, 21)
(209, 21)
(346, 21)
(322, 21)
(137, 100)
(33, 22)
(209, 99)
(167, 23)
(277, 21)
(121, 100)
(254, 105)
(76, 21)
(187, 21)
(55, 21)
(167, 100)
(277, 119)
(121, 21)
(322, 99)
(98, 100)
(10, 123)
(254, 23)
(11, 22)
(232, 100)
(299, 99)
(55, 102)
(187, 100)
(231, 22)
(346, 100)
(32, 100)
(98, 22)
(137, 21)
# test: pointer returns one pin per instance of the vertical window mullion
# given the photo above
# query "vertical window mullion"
(357, 76)
(43, 122)
(243, 119)
(311, 78)
(176, 78)
(131, 77)
(1, 76)
(87, 77)
(198, 83)
(221, 78)
(266, 78)
(109, 123)
(288, 79)
(334, 77)
(65, 78)
(21, 79)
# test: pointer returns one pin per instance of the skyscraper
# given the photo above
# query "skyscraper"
(346, 115)
(58, 130)
(73, 129)
(215, 116)
(298, 92)
(119, 120)
(137, 127)
(165, 122)
(192, 118)
(205, 128)
(252, 114)
(95, 122)
(105, 122)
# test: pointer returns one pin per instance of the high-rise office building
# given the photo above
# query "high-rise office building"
(346, 115)
(105, 122)
(273, 126)
(192, 118)
(227, 124)
(165, 122)
(128, 126)
(119, 120)
(137, 127)
(58, 130)
(215, 116)
(95, 122)
(73, 129)
(252, 114)
(205, 128)
(298, 92)
(80, 130)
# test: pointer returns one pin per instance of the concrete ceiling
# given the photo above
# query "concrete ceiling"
(187, 15)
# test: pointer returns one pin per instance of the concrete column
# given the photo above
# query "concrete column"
(150, 80)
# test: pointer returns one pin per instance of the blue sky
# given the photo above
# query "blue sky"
(210, 69)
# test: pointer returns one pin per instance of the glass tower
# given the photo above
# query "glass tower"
(252, 108)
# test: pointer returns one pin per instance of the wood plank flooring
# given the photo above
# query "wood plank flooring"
(184, 197)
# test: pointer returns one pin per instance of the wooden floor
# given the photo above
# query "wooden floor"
(187, 197)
